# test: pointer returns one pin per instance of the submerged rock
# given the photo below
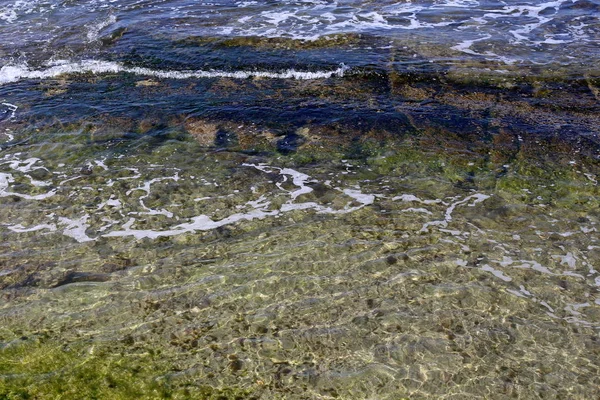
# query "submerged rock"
(203, 131)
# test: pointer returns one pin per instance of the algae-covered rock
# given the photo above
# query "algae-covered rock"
(203, 131)
(329, 41)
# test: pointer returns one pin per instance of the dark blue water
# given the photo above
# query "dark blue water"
(567, 32)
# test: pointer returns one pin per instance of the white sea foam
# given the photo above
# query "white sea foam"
(413, 198)
(364, 199)
(456, 3)
(12, 109)
(27, 166)
(7, 179)
(146, 188)
(94, 30)
(38, 183)
(14, 162)
(522, 33)
(11, 11)
(18, 72)
(75, 228)
(525, 264)
(477, 198)
(466, 47)
(496, 273)
(198, 223)
(314, 19)
(298, 179)
(20, 228)
(569, 259)
(538, 15)
(112, 202)
(9, 136)
(418, 210)
(259, 208)
(592, 178)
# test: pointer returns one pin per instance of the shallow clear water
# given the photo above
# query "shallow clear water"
(340, 278)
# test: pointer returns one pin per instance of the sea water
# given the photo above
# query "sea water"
(299, 199)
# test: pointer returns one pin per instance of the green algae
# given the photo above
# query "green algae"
(261, 42)
(49, 370)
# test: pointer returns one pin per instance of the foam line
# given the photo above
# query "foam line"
(15, 73)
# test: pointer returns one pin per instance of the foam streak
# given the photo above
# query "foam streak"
(16, 73)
